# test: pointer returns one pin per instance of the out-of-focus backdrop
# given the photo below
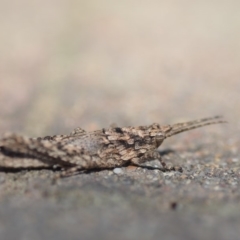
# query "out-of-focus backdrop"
(91, 63)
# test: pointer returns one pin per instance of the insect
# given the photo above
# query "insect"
(101, 149)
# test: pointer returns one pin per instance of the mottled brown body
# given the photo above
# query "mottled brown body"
(81, 150)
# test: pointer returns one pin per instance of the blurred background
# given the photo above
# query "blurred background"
(68, 63)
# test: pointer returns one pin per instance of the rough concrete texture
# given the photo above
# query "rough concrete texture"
(65, 64)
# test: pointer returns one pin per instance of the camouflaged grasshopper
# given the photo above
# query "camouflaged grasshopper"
(101, 149)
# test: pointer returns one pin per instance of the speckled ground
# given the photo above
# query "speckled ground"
(65, 64)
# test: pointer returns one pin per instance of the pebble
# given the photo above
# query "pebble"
(131, 168)
(235, 160)
(168, 174)
(118, 171)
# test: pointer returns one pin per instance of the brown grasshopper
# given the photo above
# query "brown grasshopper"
(81, 150)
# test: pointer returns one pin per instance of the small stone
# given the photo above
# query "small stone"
(131, 168)
(118, 171)
(235, 160)
(168, 174)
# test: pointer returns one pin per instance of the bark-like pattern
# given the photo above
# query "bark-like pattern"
(81, 150)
